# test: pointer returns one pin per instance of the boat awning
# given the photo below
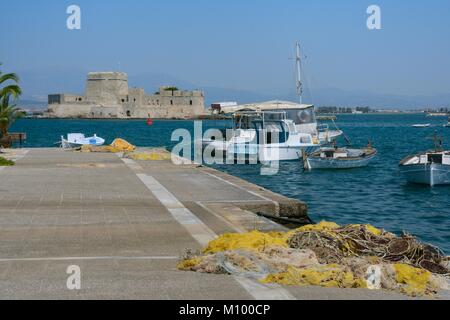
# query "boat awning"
(266, 106)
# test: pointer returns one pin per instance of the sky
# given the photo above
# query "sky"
(235, 44)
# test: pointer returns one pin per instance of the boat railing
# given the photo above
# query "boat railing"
(323, 127)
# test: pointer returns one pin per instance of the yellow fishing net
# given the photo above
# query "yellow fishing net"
(326, 255)
(122, 145)
(157, 154)
(413, 281)
(118, 145)
(254, 240)
(331, 275)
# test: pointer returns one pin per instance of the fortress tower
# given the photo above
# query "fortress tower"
(106, 87)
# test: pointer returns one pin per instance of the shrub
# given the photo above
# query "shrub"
(5, 162)
(171, 89)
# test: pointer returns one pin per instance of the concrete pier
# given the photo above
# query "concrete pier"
(125, 224)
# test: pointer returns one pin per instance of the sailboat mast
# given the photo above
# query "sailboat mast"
(298, 80)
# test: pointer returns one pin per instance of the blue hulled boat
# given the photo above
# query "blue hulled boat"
(339, 158)
(429, 167)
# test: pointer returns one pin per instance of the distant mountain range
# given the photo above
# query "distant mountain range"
(39, 83)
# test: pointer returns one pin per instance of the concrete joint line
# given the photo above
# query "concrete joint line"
(24, 153)
(277, 206)
(223, 219)
(232, 201)
(19, 157)
(181, 214)
(88, 258)
(203, 235)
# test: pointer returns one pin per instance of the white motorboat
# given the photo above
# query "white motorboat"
(422, 125)
(430, 167)
(76, 140)
(264, 136)
(273, 130)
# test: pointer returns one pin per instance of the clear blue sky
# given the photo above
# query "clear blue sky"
(238, 44)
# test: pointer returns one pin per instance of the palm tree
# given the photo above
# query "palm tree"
(8, 113)
(12, 89)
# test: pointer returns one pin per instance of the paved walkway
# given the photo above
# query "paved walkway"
(125, 224)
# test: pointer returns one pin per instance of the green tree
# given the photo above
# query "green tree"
(12, 88)
(8, 114)
(9, 88)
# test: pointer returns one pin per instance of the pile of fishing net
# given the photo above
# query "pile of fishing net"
(327, 255)
(153, 154)
(333, 244)
(122, 145)
(118, 145)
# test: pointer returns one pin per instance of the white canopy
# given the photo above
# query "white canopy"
(268, 105)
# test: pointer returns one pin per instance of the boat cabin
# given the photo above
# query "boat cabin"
(426, 158)
(333, 153)
(275, 125)
(441, 158)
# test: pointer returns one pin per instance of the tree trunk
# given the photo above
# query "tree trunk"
(6, 141)
(3, 131)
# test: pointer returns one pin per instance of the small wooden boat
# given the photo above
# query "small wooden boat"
(339, 158)
(422, 125)
(432, 168)
(429, 167)
(76, 140)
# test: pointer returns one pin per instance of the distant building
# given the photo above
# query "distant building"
(108, 96)
(216, 107)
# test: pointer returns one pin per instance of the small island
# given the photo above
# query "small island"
(108, 96)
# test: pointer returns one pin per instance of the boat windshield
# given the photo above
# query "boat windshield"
(275, 131)
(246, 120)
(301, 116)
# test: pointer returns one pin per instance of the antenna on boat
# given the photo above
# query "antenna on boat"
(437, 142)
(298, 76)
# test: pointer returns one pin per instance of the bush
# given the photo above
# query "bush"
(4, 162)
(171, 89)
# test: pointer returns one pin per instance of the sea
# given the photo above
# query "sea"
(377, 194)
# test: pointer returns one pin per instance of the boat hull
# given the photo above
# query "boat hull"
(430, 174)
(93, 141)
(270, 153)
(327, 163)
(260, 153)
(69, 145)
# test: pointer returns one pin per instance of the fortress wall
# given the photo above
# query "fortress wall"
(104, 112)
(136, 96)
(68, 110)
(106, 87)
(70, 98)
(124, 111)
(64, 98)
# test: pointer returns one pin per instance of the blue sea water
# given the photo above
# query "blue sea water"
(377, 194)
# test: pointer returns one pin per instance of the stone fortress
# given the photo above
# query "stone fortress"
(108, 96)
